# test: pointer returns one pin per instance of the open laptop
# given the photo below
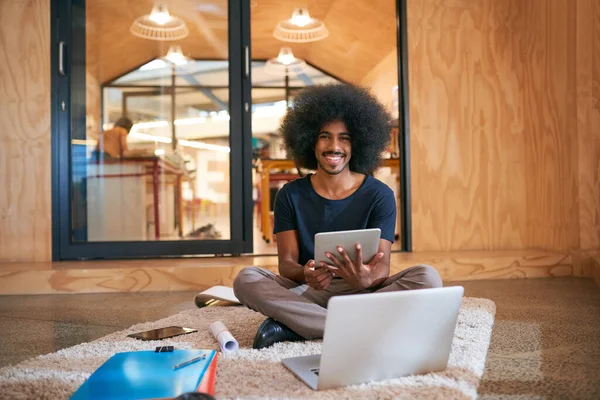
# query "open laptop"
(377, 336)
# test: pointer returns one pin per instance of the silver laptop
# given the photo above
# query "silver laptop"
(378, 336)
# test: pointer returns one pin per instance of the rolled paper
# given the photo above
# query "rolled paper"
(226, 340)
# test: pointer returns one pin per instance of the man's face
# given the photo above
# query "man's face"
(333, 148)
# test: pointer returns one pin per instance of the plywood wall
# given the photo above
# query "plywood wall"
(25, 207)
(548, 60)
(382, 79)
(467, 142)
(499, 91)
(588, 121)
(591, 234)
(493, 108)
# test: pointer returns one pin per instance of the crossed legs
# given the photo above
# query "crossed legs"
(304, 309)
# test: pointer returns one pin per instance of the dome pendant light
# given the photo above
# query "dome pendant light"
(301, 28)
(159, 25)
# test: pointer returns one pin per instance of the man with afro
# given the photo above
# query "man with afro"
(340, 131)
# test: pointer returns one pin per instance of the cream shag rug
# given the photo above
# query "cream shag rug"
(252, 373)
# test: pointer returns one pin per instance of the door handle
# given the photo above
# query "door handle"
(246, 62)
(61, 58)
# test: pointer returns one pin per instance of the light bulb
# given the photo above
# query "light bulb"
(160, 14)
(175, 55)
(286, 57)
(300, 17)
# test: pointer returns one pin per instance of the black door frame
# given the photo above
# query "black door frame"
(68, 54)
(404, 127)
(68, 111)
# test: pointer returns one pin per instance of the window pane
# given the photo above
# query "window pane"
(360, 48)
(150, 149)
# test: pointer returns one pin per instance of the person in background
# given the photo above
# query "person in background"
(113, 142)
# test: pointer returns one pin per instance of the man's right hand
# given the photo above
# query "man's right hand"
(316, 278)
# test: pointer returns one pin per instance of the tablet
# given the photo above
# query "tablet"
(329, 241)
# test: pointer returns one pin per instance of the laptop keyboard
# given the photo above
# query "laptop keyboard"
(315, 371)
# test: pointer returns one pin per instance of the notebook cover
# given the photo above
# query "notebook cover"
(145, 375)
(207, 385)
(218, 292)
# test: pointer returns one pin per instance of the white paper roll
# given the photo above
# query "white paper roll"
(220, 332)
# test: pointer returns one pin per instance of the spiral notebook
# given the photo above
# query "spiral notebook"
(150, 375)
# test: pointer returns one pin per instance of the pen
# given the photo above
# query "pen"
(188, 362)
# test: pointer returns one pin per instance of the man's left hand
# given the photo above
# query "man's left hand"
(355, 273)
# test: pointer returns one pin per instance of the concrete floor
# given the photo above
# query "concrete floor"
(545, 342)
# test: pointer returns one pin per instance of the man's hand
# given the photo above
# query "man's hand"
(355, 273)
(317, 278)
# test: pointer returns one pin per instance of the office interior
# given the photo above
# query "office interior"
(173, 183)
(504, 163)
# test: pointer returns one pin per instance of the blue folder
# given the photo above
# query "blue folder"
(145, 375)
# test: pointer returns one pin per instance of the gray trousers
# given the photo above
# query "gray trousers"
(302, 308)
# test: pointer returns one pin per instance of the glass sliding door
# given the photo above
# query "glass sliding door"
(300, 44)
(151, 110)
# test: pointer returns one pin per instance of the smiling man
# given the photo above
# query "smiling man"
(340, 131)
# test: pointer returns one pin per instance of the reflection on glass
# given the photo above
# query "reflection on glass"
(154, 162)
(274, 85)
(298, 60)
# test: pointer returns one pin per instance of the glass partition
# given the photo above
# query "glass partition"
(155, 154)
(316, 43)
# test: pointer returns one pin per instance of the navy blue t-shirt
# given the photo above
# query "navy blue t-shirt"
(299, 207)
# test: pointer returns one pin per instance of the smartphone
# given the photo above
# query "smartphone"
(162, 333)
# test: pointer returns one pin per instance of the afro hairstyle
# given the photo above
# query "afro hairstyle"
(366, 118)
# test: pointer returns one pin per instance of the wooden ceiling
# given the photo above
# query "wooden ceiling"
(362, 32)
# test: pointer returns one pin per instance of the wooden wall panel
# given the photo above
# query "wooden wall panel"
(381, 79)
(467, 125)
(585, 22)
(504, 124)
(588, 120)
(592, 236)
(25, 202)
(361, 34)
(548, 58)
